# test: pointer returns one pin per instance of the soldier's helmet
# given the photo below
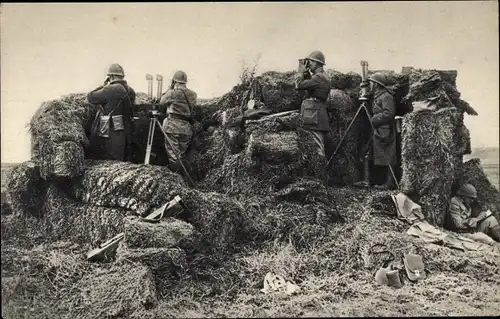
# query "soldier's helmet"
(467, 190)
(116, 69)
(317, 56)
(379, 78)
(180, 77)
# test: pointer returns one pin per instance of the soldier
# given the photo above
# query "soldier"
(179, 102)
(312, 79)
(462, 218)
(384, 138)
(111, 136)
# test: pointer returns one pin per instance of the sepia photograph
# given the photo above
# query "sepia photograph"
(250, 159)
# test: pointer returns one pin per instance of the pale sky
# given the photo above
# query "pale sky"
(48, 50)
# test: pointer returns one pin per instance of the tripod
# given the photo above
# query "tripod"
(364, 101)
(153, 120)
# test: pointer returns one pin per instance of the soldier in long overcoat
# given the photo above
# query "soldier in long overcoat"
(383, 119)
(111, 136)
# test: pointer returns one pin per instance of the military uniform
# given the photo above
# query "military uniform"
(313, 109)
(384, 138)
(117, 99)
(460, 215)
(179, 103)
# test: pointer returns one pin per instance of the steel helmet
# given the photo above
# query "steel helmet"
(379, 78)
(317, 56)
(180, 77)
(467, 190)
(116, 69)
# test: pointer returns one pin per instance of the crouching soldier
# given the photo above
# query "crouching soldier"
(312, 79)
(461, 215)
(111, 133)
(179, 102)
(384, 137)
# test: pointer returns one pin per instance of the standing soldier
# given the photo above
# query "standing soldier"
(312, 79)
(384, 137)
(111, 136)
(179, 101)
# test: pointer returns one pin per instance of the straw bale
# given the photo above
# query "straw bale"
(166, 264)
(274, 148)
(55, 216)
(343, 169)
(424, 84)
(488, 195)
(118, 292)
(168, 233)
(25, 189)
(278, 90)
(429, 160)
(6, 207)
(139, 188)
(216, 216)
(57, 121)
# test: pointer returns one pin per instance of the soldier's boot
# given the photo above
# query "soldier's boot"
(495, 233)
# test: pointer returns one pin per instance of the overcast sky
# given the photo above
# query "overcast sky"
(53, 49)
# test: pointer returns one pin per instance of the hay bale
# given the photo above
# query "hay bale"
(424, 84)
(488, 195)
(274, 148)
(6, 208)
(58, 132)
(343, 169)
(118, 292)
(166, 264)
(217, 217)
(53, 215)
(278, 90)
(429, 159)
(139, 188)
(168, 233)
(25, 189)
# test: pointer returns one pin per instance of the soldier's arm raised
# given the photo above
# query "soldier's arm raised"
(98, 95)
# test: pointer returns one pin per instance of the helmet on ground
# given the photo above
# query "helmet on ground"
(379, 78)
(180, 77)
(317, 56)
(467, 190)
(116, 69)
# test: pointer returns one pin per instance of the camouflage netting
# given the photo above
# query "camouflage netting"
(134, 187)
(488, 195)
(430, 159)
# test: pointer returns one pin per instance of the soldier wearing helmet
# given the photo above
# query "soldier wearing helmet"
(312, 80)
(384, 138)
(179, 102)
(111, 136)
(463, 218)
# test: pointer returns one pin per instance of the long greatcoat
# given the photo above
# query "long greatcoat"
(384, 139)
(114, 100)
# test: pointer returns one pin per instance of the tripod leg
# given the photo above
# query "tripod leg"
(343, 137)
(373, 128)
(150, 140)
